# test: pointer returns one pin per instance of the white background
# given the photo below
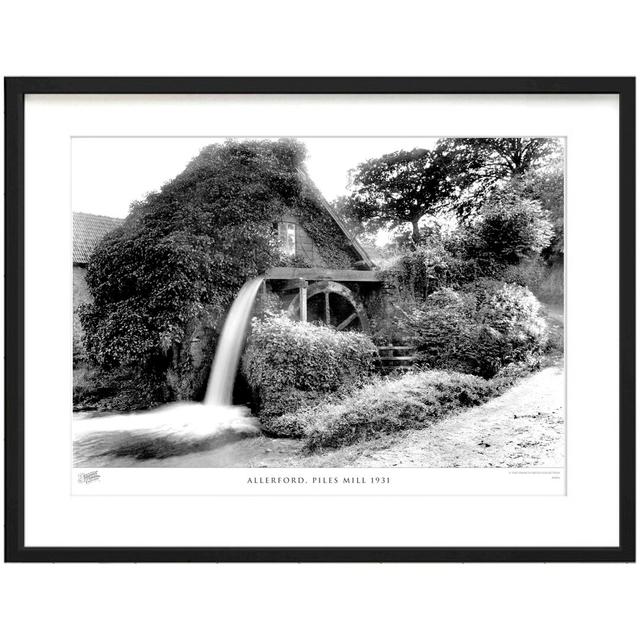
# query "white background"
(400, 38)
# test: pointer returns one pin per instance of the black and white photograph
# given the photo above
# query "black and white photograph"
(306, 302)
(323, 320)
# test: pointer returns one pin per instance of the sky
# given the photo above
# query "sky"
(110, 173)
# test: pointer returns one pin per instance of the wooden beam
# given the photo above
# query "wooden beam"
(319, 273)
(303, 302)
(347, 322)
(327, 311)
(290, 284)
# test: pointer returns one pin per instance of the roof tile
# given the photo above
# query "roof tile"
(88, 230)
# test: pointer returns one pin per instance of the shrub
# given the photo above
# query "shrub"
(431, 266)
(434, 265)
(515, 313)
(509, 228)
(479, 329)
(529, 273)
(415, 400)
(286, 404)
(283, 354)
(547, 187)
(545, 281)
(289, 364)
(438, 328)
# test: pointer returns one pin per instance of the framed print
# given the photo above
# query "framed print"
(320, 319)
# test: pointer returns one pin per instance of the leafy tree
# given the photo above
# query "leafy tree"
(496, 158)
(182, 255)
(547, 187)
(400, 189)
(343, 207)
(481, 164)
(509, 228)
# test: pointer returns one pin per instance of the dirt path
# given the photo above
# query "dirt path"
(522, 428)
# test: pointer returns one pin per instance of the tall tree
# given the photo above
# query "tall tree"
(547, 187)
(497, 158)
(400, 189)
(482, 163)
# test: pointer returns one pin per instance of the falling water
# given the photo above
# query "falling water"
(181, 427)
(225, 364)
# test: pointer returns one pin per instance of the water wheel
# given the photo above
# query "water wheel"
(334, 304)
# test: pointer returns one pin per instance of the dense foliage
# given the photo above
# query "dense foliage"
(122, 389)
(400, 188)
(289, 364)
(407, 189)
(413, 401)
(177, 262)
(484, 159)
(485, 163)
(547, 187)
(282, 353)
(476, 341)
(479, 329)
(434, 264)
(508, 229)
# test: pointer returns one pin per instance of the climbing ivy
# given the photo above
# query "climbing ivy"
(332, 244)
(179, 259)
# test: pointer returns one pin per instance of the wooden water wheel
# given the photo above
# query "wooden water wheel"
(332, 303)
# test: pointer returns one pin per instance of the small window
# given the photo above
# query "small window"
(287, 236)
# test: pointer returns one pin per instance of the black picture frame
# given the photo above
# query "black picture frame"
(15, 91)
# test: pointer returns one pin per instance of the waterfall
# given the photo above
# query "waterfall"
(179, 428)
(227, 358)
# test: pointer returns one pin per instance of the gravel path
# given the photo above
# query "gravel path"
(524, 427)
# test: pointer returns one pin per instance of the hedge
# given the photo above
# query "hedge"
(415, 400)
(291, 365)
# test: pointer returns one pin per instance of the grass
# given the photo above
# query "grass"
(414, 400)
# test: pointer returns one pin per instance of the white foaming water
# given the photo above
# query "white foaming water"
(168, 432)
(180, 428)
(187, 419)
(225, 364)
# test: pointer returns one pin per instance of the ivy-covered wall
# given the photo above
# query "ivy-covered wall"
(81, 296)
(161, 283)
(321, 241)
